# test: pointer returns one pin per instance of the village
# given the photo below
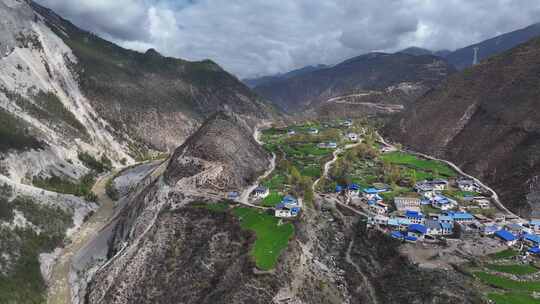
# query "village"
(441, 216)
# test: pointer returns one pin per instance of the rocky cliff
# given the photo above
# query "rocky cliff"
(485, 120)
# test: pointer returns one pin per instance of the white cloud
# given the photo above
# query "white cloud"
(263, 37)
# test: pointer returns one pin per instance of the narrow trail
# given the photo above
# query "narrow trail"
(494, 195)
(59, 291)
(370, 289)
(329, 164)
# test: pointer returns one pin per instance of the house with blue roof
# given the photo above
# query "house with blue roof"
(460, 217)
(261, 192)
(339, 188)
(288, 207)
(415, 217)
(233, 195)
(410, 238)
(443, 202)
(397, 235)
(534, 250)
(531, 239)
(535, 225)
(417, 230)
(446, 219)
(433, 227)
(506, 236)
(353, 189)
(370, 193)
(446, 228)
(489, 230)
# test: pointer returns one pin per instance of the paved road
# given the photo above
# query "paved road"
(59, 290)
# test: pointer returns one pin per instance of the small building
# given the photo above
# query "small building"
(439, 184)
(531, 239)
(397, 235)
(233, 195)
(514, 228)
(443, 202)
(535, 225)
(461, 217)
(414, 216)
(288, 207)
(313, 131)
(506, 236)
(291, 132)
(446, 228)
(378, 220)
(353, 189)
(347, 123)
(399, 223)
(489, 230)
(407, 203)
(483, 203)
(534, 250)
(377, 207)
(352, 136)
(468, 185)
(261, 192)
(339, 188)
(370, 193)
(417, 230)
(332, 145)
(446, 219)
(433, 227)
(381, 187)
(425, 189)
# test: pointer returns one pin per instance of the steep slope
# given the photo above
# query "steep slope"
(370, 72)
(464, 57)
(486, 120)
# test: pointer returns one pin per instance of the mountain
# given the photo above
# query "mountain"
(484, 119)
(74, 106)
(370, 72)
(416, 51)
(253, 82)
(464, 57)
(173, 241)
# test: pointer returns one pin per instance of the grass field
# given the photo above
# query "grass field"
(507, 253)
(513, 269)
(412, 161)
(512, 298)
(272, 238)
(272, 199)
(507, 284)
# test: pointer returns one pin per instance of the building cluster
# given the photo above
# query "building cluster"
(289, 207)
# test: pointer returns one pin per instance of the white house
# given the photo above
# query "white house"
(468, 185)
(291, 132)
(378, 220)
(261, 192)
(407, 203)
(352, 136)
(288, 207)
(433, 227)
(483, 203)
(443, 202)
(314, 131)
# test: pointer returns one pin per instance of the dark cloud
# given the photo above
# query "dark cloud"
(263, 37)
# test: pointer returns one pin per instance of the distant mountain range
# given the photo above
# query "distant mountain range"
(295, 90)
(374, 71)
(256, 81)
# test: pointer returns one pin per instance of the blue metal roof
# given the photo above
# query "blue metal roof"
(491, 228)
(393, 222)
(534, 250)
(505, 235)
(339, 188)
(289, 199)
(396, 234)
(371, 191)
(532, 237)
(411, 238)
(418, 228)
(447, 226)
(354, 187)
(535, 222)
(413, 214)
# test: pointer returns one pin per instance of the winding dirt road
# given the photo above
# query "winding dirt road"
(59, 291)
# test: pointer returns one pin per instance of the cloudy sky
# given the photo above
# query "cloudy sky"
(260, 37)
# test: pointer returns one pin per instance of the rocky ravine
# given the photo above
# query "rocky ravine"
(165, 249)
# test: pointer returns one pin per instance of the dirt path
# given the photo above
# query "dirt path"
(59, 290)
(329, 164)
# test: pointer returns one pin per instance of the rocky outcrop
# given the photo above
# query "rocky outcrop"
(484, 120)
(222, 155)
